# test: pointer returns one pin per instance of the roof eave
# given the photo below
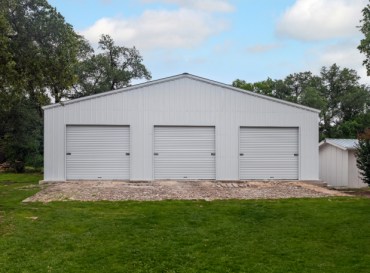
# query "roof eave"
(336, 145)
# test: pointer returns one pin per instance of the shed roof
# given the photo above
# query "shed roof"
(341, 143)
(180, 76)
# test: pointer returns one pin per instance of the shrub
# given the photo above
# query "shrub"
(363, 155)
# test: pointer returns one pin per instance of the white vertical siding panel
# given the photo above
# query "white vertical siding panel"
(309, 151)
(335, 175)
(354, 176)
(344, 167)
(334, 166)
(323, 164)
(61, 142)
(85, 116)
(93, 111)
(54, 150)
(48, 145)
(341, 174)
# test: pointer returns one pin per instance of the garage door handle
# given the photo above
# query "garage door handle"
(213, 154)
(155, 153)
(241, 154)
(68, 154)
(127, 153)
(295, 154)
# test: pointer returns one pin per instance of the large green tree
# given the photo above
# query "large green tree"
(269, 87)
(42, 59)
(364, 46)
(335, 91)
(114, 67)
(345, 98)
(38, 53)
(292, 88)
(42, 46)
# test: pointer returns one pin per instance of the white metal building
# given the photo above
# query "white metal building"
(181, 127)
(338, 163)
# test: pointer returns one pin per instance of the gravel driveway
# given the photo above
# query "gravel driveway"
(185, 190)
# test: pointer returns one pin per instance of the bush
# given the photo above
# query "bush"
(363, 155)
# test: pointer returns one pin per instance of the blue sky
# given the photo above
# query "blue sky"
(227, 39)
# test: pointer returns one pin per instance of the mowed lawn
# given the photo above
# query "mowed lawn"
(295, 235)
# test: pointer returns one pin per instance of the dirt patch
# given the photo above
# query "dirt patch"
(184, 190)
(363, 192)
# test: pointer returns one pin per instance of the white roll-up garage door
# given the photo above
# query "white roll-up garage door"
(184, 152)
(268, 153)
(98, 152)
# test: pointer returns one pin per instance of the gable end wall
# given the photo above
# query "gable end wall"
(180, 102)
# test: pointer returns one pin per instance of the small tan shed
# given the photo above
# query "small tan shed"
(338, 163)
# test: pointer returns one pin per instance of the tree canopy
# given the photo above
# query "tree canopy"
(42, 59)
(115, 67)
(364, 46)
(343, 101)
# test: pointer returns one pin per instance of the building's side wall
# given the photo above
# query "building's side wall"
(180, 102)
(334, 166)
(354, 177)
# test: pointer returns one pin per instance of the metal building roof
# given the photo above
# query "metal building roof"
(184, 75)
(341, 143)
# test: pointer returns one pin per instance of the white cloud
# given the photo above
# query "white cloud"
(165, 29)
(263, 48)
(321, 19)
(344, 54)
(204, 5)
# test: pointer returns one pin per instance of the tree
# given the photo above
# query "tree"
(43, 47)
(297, 83)
(114, 68)
(43, 59)
(7, 65)
(38, 55)
(21, 132)
(243, 85)
(351, 128)
(364, 46)
(269, 87)
(312, 97)
(290, 89)
(363, 155)
(344, 97)
(343, 101)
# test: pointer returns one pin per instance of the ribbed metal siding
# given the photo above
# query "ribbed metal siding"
(268, 153)
(184, 152)
(180, 102)
(98, 152)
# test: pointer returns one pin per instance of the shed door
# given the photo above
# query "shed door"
(184, 152)
(268, 153)
(98, 152)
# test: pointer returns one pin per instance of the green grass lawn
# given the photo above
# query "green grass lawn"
(295, 235)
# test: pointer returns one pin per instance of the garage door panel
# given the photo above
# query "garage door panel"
(98, 152)
(268, 153)
(184, 152)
